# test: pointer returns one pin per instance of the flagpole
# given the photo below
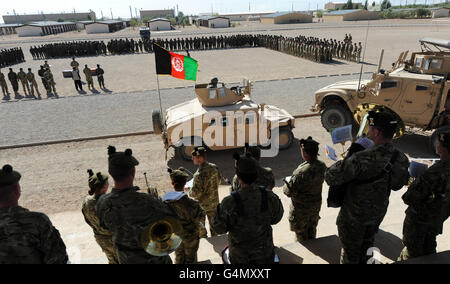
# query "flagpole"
(159, 94)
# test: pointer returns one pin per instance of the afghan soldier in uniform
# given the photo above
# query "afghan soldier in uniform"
(101, 81)
(74, 63)
(189, 213)
(4, 86)
(12, 76)
(23, 79)
(205, 188)
(247, 216)
(127, 213)
(88, 73)
(265, 175)
(98, 186)
(46, 65)
(305, 190)
(428, 204)
(33, 84)
(370, 175)
(48, 76)
(25, 237)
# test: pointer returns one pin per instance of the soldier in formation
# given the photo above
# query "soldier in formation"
(68, 49)
(11, 56)
(305, 190)
(205, 188)
(101, 80)
(4, 86)
(23, 80)
(32, 83)
(126, 213)
(370, 176)
(98, 186)
(428, 200)
(14, 80)
(88, 74)
(26, 237)
(247, 215)
(190, 214)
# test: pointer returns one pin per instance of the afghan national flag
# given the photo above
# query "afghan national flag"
(176, 65)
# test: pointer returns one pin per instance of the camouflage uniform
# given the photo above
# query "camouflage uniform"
(126, 213)
(366, 200)
(3, 85)
(249, 232)
(23, 79)
(265, 178)
(206, 191)
(33, 84)
(427, 199)
(305, 191)
(88, 73)
(29, 238)
(190, 214)
(102, 236)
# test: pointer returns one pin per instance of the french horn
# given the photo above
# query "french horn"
(162, 237)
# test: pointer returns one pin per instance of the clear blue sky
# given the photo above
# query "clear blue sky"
(121, 8)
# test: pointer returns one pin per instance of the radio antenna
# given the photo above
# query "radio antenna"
(364, 56)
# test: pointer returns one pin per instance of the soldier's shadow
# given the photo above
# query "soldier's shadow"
(415, 146)
(282, 165)
(106, 90)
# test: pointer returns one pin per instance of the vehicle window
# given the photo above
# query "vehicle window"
(222, 92)
(436, 64)
(421, 88)
(249, 120)
(224, 121)
(427, 64)
(388, 84)
(212, 93)
(239, 120)
(213, 122)
(419, 62)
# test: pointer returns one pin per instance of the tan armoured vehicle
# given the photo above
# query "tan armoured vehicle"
(417, 89)
(223, 118)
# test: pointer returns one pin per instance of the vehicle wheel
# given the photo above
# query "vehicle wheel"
(185, 152)
(335, 116)
(285, 138)
(157, 122)
(434, 138)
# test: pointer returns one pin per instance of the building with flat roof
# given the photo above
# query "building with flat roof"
(99, 27)
(287, 18)
(8, 29)
(236, 17)
(213, 22)
(440, 12)
(159, 24)
(350, 15)
(45, 28)
(25, 19)
(151, 14)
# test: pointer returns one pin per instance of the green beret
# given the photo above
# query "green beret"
(384, 121)
(254, 150)
(198, 151)
(310, 146)
(245, 164)
(120, 161)
(178, 176)
(96, 181)
(8, 176)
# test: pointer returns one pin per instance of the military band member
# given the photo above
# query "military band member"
(428, 204)
(98, 186)
(370, 175)
(127, 213)
(26, 237)
(305, 190)
(33, 84)
(189, 213)
(205, 188)
(23, 79)
(247, 215)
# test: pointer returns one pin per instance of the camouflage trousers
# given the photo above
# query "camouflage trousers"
(303, 220)
(419, 239)
(211, 214)
(108, 248)
(4, 89)
(34, 85)
(186, 253)
(356, 240)
(90, 82)
(26, 88)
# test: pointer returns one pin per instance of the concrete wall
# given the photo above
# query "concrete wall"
(159, 26)
(29, 31)
(23, 19)
(97, 28)
(219, 23)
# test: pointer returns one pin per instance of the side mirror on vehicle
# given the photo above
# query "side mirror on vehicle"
(382, 71)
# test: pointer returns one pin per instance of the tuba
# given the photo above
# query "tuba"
(162, 237)
(362, 111)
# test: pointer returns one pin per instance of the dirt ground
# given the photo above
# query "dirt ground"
(136, 72)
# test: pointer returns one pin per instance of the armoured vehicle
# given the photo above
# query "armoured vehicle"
(223, 118)
(418, 90)
(144, 33)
